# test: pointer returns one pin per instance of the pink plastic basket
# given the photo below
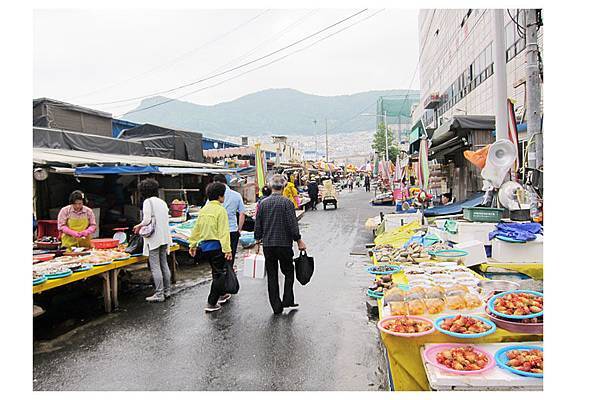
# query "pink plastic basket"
(431, 353)
(382, 329)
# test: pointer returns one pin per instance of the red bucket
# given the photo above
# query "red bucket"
(177, 209)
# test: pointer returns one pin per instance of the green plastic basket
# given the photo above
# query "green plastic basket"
(482, 214)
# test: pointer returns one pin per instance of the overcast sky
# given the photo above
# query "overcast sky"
(95, 56)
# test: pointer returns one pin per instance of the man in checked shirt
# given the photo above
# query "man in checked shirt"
(276, 228)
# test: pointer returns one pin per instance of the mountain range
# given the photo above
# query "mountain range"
(271, 112)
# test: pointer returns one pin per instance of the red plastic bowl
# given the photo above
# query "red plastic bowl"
(104, 243)
(517, 327)
(43, 257)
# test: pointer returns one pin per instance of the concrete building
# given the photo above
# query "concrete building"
(456, 63)
(457, 79)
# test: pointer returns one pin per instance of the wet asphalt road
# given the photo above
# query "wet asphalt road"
(328, 344)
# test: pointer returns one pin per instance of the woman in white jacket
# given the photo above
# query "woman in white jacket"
(157, 245)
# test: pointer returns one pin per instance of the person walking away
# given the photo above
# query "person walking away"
(156, 246)
(367, 183)
(350, 184)
(313, 193)
(234, 205)
(76, 222)
(211, 235)
(276, 228)
(290, 192)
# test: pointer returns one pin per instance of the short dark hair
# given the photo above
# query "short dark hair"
(215, 190)
(148, 188)
(447, 195)
(220, 178)
(266, 191)
(76, 195)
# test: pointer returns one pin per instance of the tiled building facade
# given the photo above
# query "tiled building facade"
(456, 63)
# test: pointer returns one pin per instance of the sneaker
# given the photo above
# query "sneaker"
(210, 308)
(167, 295)
(156, 298)
(292, 306)
(223, 299)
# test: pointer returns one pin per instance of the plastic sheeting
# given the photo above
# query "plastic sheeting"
(59, 139)
(167, 143)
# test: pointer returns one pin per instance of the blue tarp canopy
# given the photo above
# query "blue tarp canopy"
(118, 169)
(454, 208)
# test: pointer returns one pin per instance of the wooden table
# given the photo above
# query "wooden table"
(109, 274)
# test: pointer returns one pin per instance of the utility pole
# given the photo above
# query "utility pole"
(316, 146)
(533, 88)
(386, 135)
(326, 143)
(500, 74)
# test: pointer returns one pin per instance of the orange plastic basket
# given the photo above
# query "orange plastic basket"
(104, 243)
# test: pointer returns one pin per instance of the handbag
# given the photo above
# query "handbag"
(305, 266)
(232, 286)
(148, 230)
(135, 245)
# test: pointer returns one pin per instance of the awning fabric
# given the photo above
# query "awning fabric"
(194, 171)
(119, 169)
(449, 129)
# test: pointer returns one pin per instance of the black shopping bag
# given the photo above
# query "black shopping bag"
(305, 266)
(135, 245)
(232, 286)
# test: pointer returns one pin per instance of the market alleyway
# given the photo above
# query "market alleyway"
(328, 344)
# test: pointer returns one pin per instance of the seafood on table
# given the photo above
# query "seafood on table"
(405, 324)
(462, 358)
(381, 284)
(413, 253)
(464, 324)
(526, 360)
(519, 304)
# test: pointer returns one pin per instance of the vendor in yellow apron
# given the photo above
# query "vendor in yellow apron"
(75, 219)
(78, 224)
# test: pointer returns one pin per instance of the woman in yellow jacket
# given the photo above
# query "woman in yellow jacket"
(291, 193)
(211, 235)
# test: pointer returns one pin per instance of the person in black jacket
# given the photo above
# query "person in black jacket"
(276, 229)
(313, 193)
(367, 183)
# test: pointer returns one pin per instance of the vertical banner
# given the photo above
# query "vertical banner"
(513, 136)
(423, 170)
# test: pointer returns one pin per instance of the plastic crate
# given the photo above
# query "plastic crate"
(482, 214)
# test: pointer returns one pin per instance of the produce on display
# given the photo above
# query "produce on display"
(407, 325)
(463, 358)
(381, 284)
(464, 324)
(413, 253)
(519, 304)
(382, 268)
(526, 360)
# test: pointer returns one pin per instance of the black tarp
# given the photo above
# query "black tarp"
(179, 145)
(458, 123)
(59, 139)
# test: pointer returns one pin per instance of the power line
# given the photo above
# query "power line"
(269, 39)
(234, 68)
(254, 69)
(174, 60)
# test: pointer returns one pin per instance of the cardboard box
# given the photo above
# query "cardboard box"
(254, 266)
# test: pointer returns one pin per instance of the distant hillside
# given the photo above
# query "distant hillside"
(268, 112)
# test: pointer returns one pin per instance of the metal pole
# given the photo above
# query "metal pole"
(326, 143)
(533, 88)
(316, 158)
(386, 134)
(500, 74)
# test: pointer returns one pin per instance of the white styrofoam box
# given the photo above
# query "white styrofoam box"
(472, 231)
(476, 251)
(254, 266)
(393, 221)
(528, 252)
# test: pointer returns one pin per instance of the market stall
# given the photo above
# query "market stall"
(445, 326)
(64, 270)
